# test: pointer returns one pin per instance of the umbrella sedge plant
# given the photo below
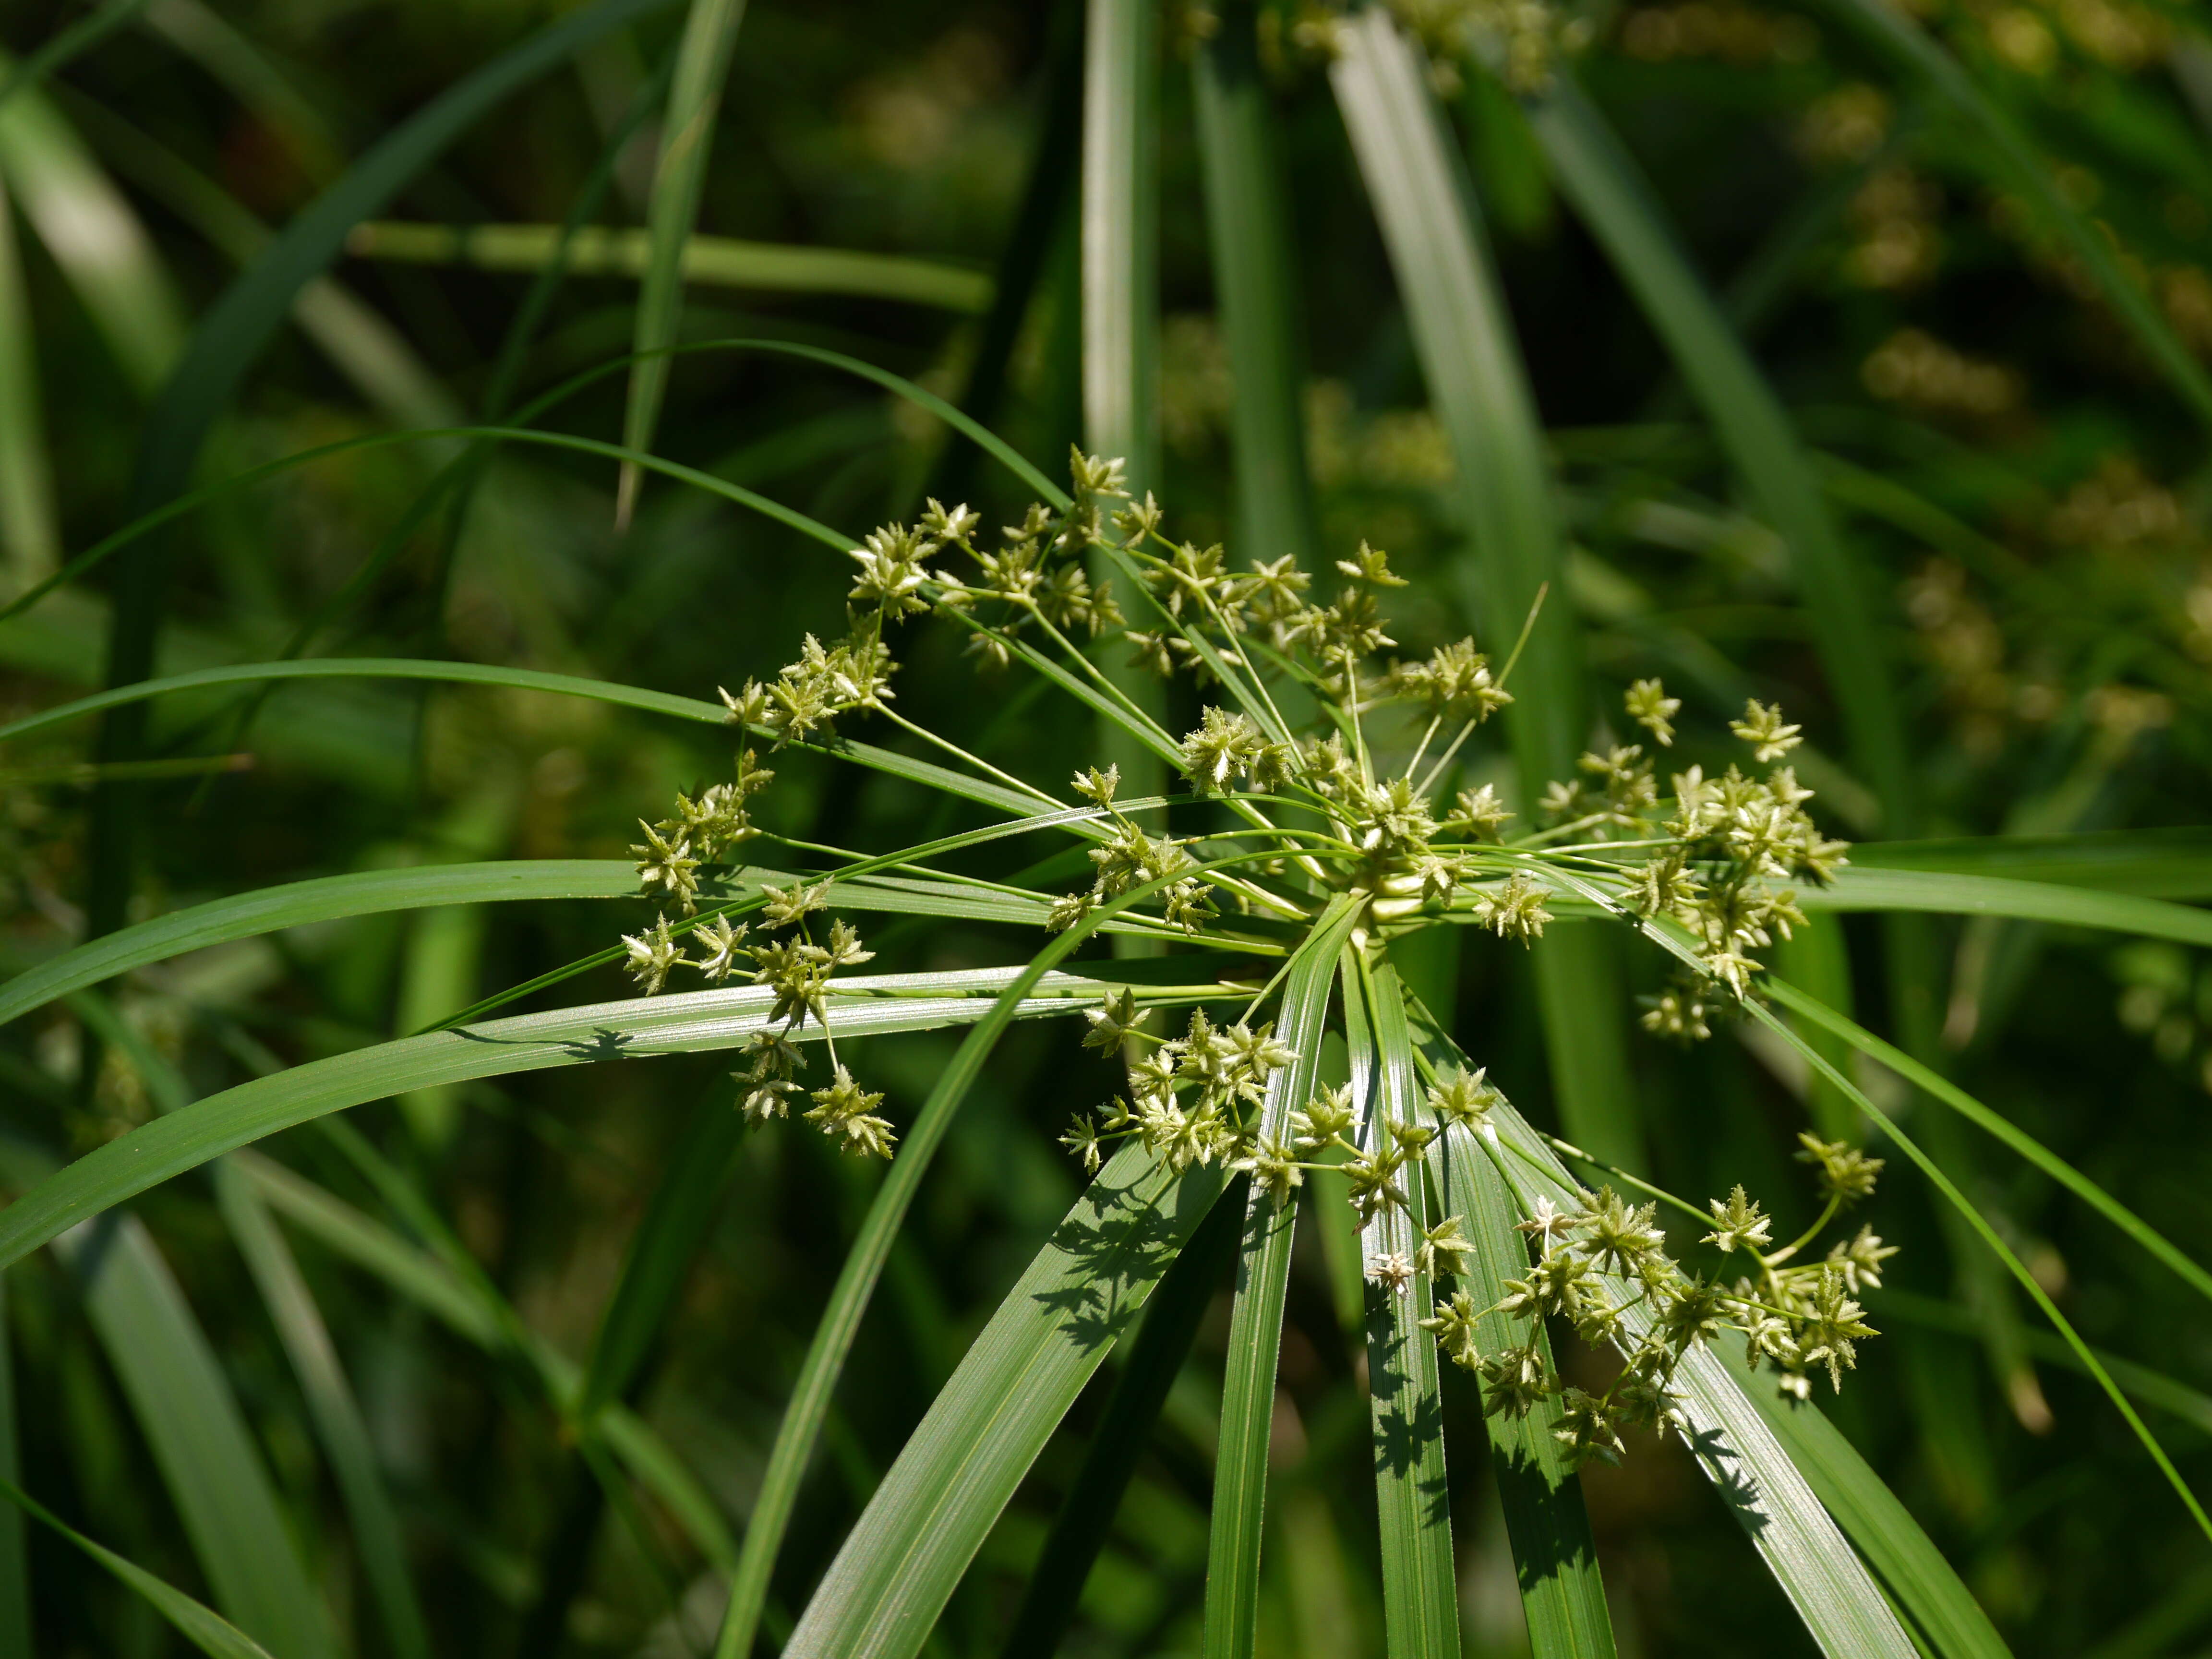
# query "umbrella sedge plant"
(1261, 1062)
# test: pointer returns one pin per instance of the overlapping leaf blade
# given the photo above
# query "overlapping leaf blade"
(1842, 1606)
(1412, 1494)
(1255, 1323)
(638, 1029)
(895, 1571)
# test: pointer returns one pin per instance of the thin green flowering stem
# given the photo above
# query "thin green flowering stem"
(1528, 627)
(956, 751)
(1828, 1214)
(1429, 783)
(1576, 1154)
(1422, 747)
(1066, 816)
(1990, 1237)
(1214, 657)
(1105, 683)
(1539, 837)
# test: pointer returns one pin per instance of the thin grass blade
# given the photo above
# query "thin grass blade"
(694, 100)
(93, 235)
(460, 1304)
(885, 1590)
(1255, 1322)
(661, 1252)
(211, 1466)
(204, 1628)
(30, 532)
(1940, 1087)
(1255, 266)
(1597, 175)
(1412, 1492)
(1086, 1514)
(1980, 1224)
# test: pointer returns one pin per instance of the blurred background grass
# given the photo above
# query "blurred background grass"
(2028, 497)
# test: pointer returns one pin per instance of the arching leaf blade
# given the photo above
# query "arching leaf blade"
(1948, 1617)
(900, 1565)
(679, 178)
(1949, 1094)
(641, 1028)
(204, 1628)
(209, 1463)
(1944, 892)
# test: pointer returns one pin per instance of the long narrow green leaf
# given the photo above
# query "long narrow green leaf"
(1254, 267)
(2019, 167)
(204, 1628)
(1120, 302)
(1412, 1493)
(1255, 1321)
(1086, 1514)
(926, 773)
(864, 1263)
(1840, 1603)
(15, 1565)
(639, 1028)
(356, 339)
(1950, 894)
(338, 1424)
(92, 233)
(212, 1471)
(30, 533)
(1943, 1090)
(1989, 1236)
(1480, 394)
(715, 261)
(885, 1590)
(660, 1251)
(460, 1305)
(1546, 1523)
(1120, 236)
(687, 139)
(2191, 1406)
(1596, 173)
(234, 332)
(1949, 1618)
(131, 539)
(2167, 863)
(176, 505)
(328, 898)
(374, 892)
(337, 1418)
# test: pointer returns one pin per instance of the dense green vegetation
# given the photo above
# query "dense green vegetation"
(1513, 492)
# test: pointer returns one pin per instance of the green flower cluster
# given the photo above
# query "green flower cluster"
(1602, 1267)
